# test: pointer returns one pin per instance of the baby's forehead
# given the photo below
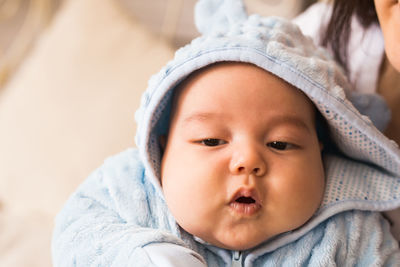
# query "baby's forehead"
(223, 68)
(218, 83)
(226, 69)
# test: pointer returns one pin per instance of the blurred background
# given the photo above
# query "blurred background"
(71, 76)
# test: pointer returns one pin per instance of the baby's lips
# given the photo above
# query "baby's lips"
(245, 202)
(244, 192)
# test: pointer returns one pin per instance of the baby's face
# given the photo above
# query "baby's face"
(242, 161)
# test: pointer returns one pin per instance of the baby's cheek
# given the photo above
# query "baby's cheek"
(179, 193)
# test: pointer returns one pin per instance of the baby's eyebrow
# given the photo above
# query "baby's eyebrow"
(199, 116)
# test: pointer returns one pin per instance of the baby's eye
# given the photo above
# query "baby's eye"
(212, 142)
(278, 145)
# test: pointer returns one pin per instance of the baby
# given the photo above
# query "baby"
(234, 166)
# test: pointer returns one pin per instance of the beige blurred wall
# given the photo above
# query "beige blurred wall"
(21, 21)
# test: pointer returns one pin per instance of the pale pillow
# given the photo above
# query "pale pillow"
(70, 105)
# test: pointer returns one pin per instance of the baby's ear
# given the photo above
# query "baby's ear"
(163, 142)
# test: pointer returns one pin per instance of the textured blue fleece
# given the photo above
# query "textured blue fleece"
(117, 211)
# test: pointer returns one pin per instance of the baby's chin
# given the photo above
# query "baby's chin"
(237, 237)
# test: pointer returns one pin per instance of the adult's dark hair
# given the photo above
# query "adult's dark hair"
(338, 30)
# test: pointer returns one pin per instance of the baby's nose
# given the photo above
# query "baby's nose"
(248, 161)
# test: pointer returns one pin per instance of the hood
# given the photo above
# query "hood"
(365, 177)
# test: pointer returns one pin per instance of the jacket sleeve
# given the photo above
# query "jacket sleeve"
(112, 216)
(357, 238)
(378, 245)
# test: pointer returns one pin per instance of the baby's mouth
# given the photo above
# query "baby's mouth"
(245, 202)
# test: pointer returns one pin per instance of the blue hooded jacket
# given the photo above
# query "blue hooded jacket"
(120, 211)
